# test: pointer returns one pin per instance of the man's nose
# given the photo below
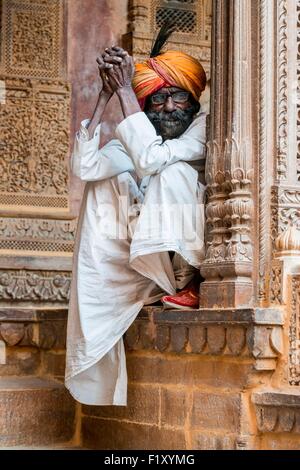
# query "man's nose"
(169, 106)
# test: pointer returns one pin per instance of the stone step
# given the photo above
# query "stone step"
(35, 412)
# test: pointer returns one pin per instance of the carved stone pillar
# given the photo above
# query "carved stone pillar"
(228, 266)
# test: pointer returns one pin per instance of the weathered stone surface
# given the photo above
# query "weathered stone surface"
(54, 362)
(12, 333)
(146, 335)
(107, 434)
(143, 406)
(277, 398)
(174, 407)
(216, 339)
(187, 370)
(277, 412)
(52, 334)
(266, 418)
(35, 411)
(162, 339)
(132, 336)
(197, 337)
(179, 336)
(216, 411)
(286, 419)
(20, 361)
(279, 442)
(236, 339)
(208, 441)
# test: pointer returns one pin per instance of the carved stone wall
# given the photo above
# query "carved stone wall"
(193, 27)
(285, 192)
(34, 151)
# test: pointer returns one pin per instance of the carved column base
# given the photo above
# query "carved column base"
(226, 294)
(227, 284)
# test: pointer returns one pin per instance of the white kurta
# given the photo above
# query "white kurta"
(121, 262)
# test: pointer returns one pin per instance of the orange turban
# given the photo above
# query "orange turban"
(172, 68)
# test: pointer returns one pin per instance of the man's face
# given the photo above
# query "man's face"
(171, 110)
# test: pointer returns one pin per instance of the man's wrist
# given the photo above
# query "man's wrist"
(124, 90)
(105, 96)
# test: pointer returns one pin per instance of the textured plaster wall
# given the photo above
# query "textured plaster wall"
(92, 26)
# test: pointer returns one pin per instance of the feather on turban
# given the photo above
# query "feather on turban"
(172, 68)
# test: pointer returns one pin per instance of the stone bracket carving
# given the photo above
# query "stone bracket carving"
(277, 411)
(255, 333)
(38, 328)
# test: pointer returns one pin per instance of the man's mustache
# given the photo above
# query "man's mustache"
(177, 115)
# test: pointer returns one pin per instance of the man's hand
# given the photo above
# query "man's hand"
(119, 73)
(120, 68)
(105, 94)
(103, 69)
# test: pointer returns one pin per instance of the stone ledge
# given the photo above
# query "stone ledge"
(32, 314)
(253, 333)
(245, 332)
(277, 411)
(263, 316)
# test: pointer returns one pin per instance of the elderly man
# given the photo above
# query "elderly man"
(142, 188)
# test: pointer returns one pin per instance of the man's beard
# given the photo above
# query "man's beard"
(171, 125)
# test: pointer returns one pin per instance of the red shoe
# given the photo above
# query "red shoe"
(187, 299)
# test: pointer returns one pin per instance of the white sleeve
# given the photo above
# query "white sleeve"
(147, 150)
(91, 164)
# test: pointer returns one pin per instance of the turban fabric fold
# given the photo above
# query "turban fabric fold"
(172, 68)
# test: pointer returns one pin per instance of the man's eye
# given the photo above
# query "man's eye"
(180, 95)
(158, 98)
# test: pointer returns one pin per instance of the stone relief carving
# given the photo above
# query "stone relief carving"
(239, 204)
(21, 285)
(282, 112)
(285, 210)
(32, 35)
(265, 19)
(34, 125)
(294, 334)
(138, 15)
(215, 208)
(298, 90)
(276, 283)
(37, 234)
(34, 148)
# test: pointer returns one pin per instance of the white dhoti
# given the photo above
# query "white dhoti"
(121, 262)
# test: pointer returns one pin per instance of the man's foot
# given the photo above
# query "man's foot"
(187, 299)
